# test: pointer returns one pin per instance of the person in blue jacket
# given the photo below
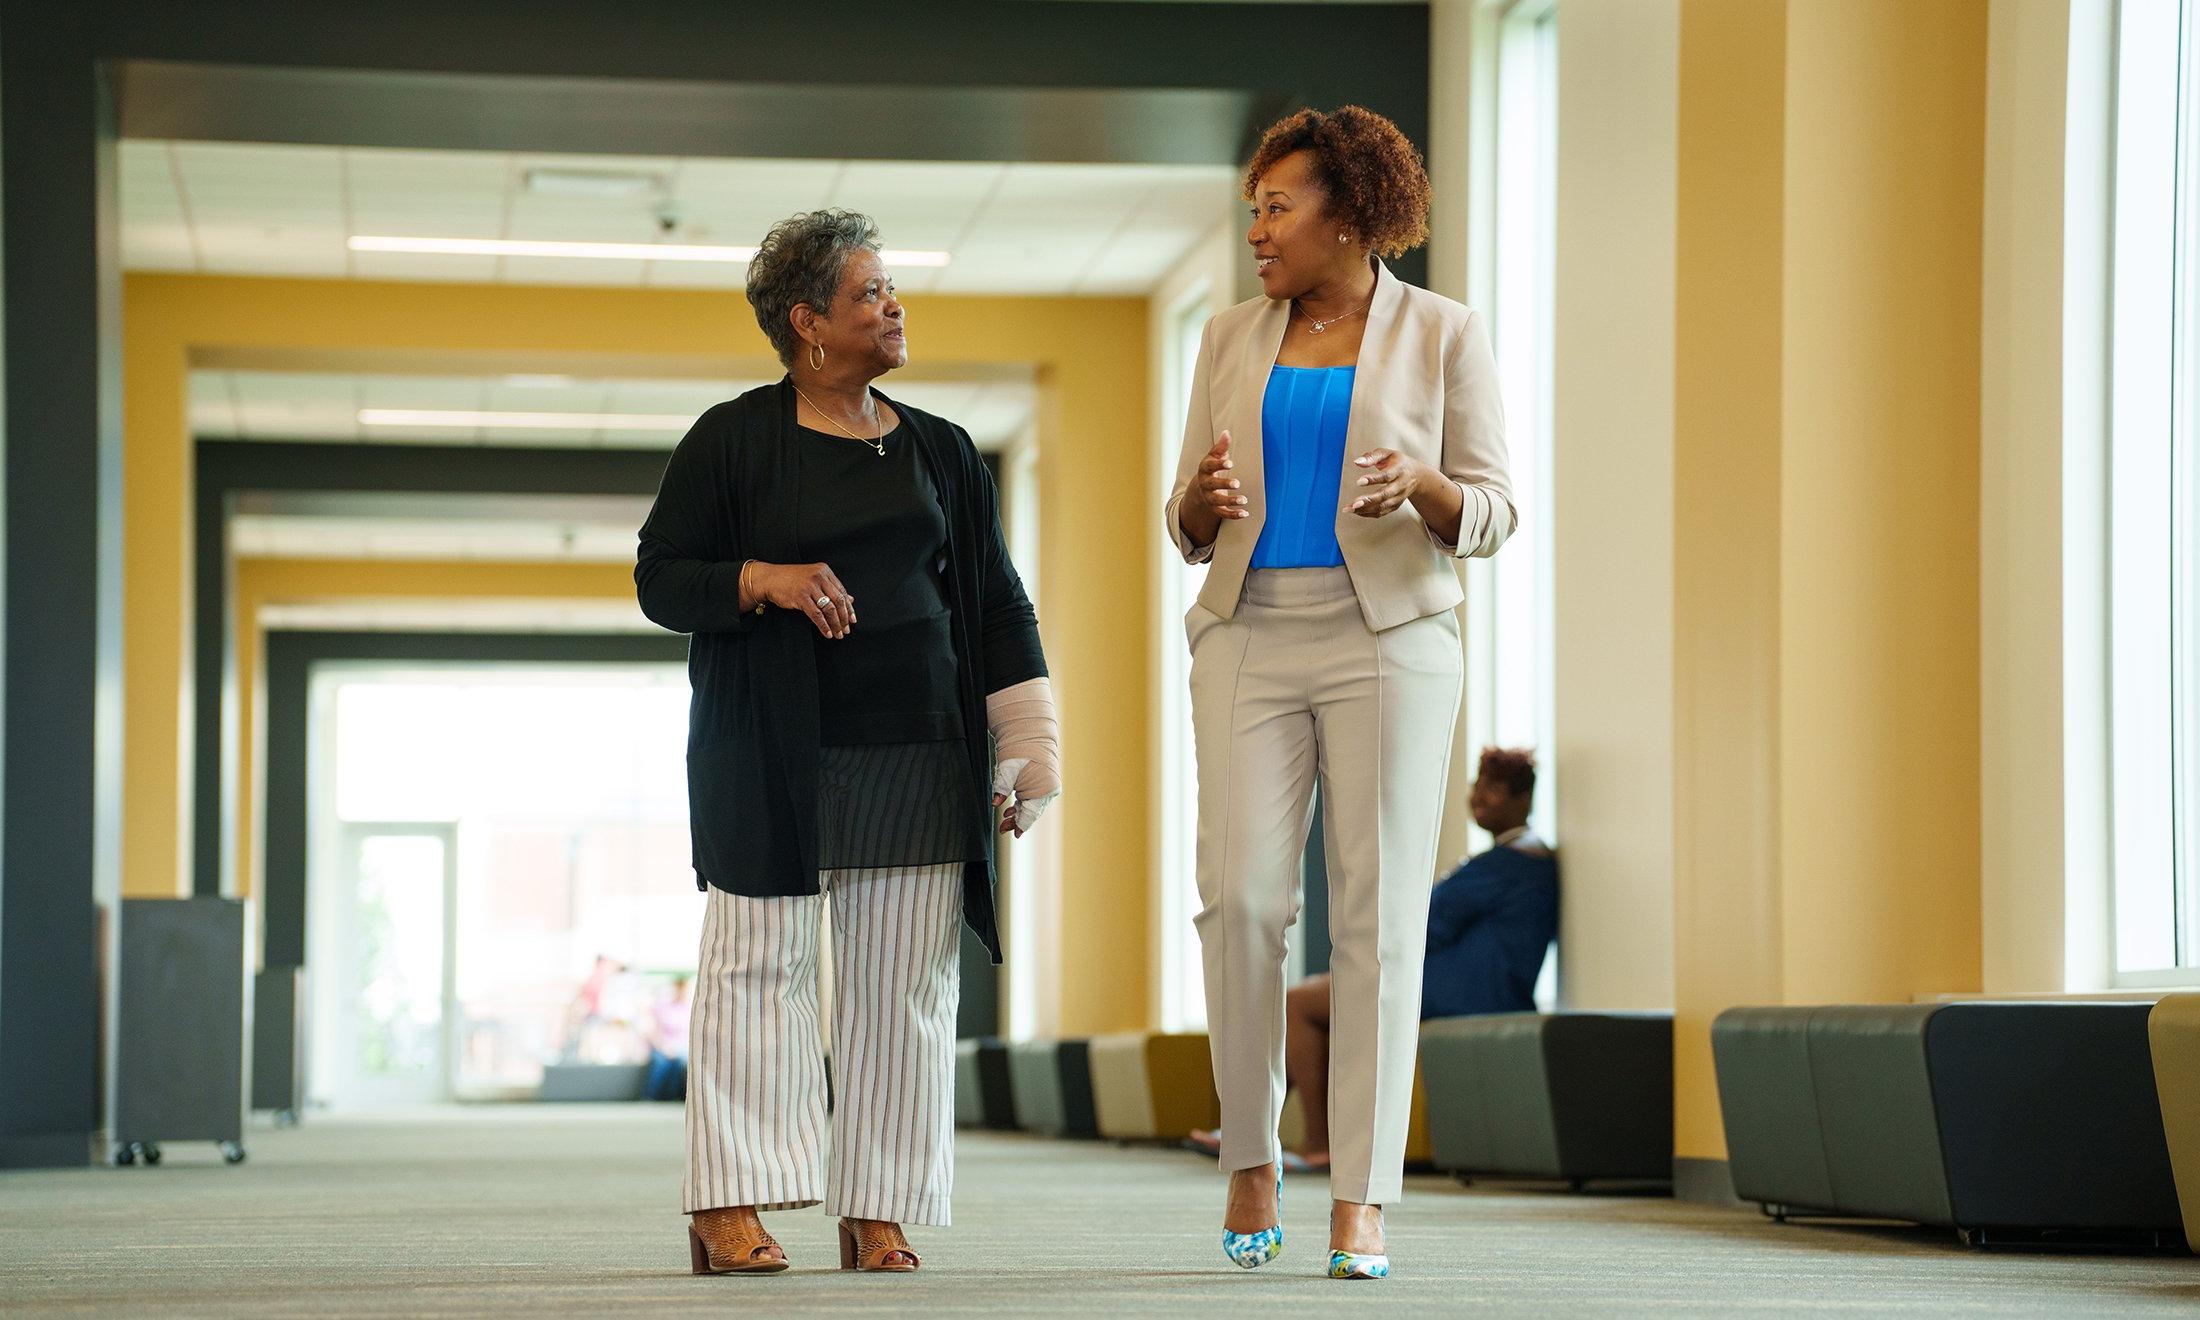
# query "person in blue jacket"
(1490, 925)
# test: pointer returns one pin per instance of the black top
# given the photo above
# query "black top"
(877, 520)
(729, 495)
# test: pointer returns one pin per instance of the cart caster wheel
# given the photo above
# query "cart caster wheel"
(232, 1152)
(125, 1155)
(286, 1118)
(150, 1153)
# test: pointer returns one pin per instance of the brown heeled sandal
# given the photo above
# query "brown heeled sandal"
(720, 1243)
(859, 1251)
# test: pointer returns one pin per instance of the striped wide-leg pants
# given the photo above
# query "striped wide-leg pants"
(757, 1131)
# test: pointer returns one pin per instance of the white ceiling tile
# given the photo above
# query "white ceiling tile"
(289, 259)
(1013, 229)
(576, 395)
(161, 247)
(691, 398)
(439, 392)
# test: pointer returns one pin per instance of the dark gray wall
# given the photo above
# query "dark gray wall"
(61, 681)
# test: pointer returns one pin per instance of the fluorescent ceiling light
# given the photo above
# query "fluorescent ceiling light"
(514, 247)
(534, 421)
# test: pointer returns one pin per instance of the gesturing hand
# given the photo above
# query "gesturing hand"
(814, 589)
(1216, 487)
(1391, 480)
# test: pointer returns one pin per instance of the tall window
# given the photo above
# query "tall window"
(1510, 606)
(2154, 574)
(501, 877)
(1183, 997)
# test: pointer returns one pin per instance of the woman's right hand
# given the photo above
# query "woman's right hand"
(1214, 495)
(814, 589)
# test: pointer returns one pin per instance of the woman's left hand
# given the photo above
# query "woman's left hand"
(1390, 480)
(1025, 791)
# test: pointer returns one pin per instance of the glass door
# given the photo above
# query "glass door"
(397, 979)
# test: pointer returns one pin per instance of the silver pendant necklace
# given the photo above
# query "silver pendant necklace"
(1314, 327)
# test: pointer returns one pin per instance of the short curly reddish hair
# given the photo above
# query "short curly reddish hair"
(1376, 182)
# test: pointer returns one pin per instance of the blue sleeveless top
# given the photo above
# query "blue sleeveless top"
(1303, 417)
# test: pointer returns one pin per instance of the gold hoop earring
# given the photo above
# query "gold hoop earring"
(817, 357)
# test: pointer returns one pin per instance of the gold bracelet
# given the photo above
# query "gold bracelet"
(741, 583)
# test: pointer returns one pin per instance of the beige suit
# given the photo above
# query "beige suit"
(1426, 387)
(1349, 675)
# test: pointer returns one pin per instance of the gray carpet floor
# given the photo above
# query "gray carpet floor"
(573, 1210)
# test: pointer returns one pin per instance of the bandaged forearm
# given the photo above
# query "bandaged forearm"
(1027, 748)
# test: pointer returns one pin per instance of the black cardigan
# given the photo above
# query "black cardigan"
(728, 495)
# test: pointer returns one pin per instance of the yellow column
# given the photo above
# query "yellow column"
(1726, 551)
(156, 595)
(1826, 547)
(1879, 552)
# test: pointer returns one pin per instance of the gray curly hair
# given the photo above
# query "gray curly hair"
(801, 261)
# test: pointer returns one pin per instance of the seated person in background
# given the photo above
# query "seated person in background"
(1490, 923)
(667, 1030)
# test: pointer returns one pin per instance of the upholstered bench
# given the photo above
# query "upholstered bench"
(984, 1094)
(1052, 1082)
(1291, 1127)
(1577, 1097)
(2173, 1032)
(1150, 1086)
(2002, 1120)
(582, 1082)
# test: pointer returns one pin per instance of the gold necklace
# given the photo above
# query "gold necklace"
(878, 445)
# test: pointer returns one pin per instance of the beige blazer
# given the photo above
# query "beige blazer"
(1426, 386)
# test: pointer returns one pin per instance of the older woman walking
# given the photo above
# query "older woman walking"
(868, 690)
(1344, 446)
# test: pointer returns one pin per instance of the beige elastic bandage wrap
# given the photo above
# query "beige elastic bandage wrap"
(1027, 747)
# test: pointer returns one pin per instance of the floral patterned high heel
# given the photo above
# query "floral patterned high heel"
(1252, 1250)
(1359, 1265)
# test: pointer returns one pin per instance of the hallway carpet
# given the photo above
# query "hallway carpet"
(573, 1210)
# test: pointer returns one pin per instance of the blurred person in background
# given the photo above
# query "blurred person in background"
(667, 1032)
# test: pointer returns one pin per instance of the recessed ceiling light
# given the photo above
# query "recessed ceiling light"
(514, 247)
(532, 421)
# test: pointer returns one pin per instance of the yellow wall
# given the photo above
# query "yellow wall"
(1826, 509)
(1089, 356)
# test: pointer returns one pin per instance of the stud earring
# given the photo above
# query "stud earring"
(1344, 238)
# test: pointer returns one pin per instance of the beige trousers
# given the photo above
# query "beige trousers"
(1294, 687)
(757, 1132)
